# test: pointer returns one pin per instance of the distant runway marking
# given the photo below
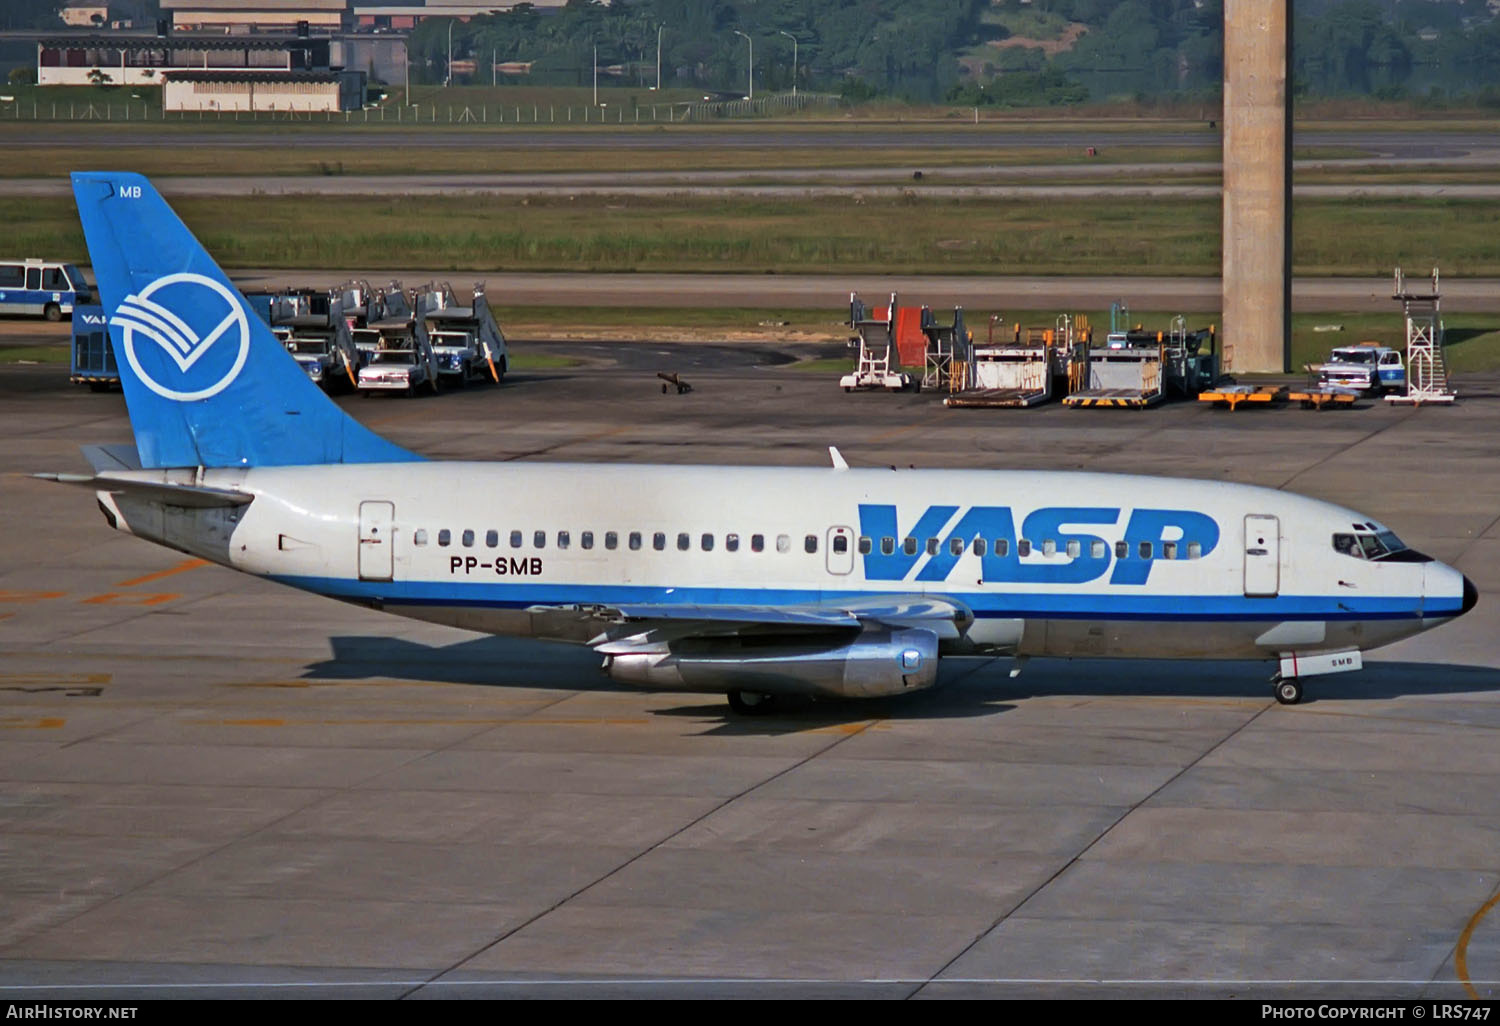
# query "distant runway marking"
(183, 567)
(1461, 953)
(20, 723)
(115, 598)
(29, 596)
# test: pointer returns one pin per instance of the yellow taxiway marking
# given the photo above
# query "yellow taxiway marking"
(848, 729)
(19, 723)
(183, 567)
(29, 596)
(20, 679)
(1381, 718)
(136, 598)
(1077, 701)
(1461, 953)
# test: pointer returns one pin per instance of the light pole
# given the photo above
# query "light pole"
(658, 56)
(794, 59)
(449, 79)
(596, 74)
(750, 72)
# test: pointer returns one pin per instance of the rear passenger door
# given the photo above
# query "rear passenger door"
(376, 553)
(1262, 556)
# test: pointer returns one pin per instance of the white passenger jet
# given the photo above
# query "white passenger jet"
(753, 582)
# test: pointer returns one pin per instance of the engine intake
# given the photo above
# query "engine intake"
(875, 662)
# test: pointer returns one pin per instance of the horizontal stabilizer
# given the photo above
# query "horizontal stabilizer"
(185, 496)
(105, 458)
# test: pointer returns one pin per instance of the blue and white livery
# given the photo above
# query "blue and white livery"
(755, 582)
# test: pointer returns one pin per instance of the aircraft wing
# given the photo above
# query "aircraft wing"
(670, 622)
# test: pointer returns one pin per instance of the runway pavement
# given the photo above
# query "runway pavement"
(1421, 141)
(211, 785)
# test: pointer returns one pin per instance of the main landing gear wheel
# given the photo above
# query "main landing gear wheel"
(1288, 690)
(751, 703)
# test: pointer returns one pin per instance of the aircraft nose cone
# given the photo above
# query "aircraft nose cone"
(1471, 596)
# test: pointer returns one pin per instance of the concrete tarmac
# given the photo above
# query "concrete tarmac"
(214, 786)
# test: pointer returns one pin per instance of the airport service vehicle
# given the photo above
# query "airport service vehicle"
(43, 288)
(93, 358)
(879, 363)
(402, 360)
(466, 341)
(755, 582)
(312, 326)
(1365, 367)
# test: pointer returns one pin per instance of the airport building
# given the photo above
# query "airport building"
(403, 16)
(84, 15)
(237, 16)
(240, 16)
(301, 91)
(208, 72)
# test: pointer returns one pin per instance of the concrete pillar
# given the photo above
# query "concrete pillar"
(1257, 185)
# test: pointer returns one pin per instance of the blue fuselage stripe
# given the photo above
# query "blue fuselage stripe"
(989, 605)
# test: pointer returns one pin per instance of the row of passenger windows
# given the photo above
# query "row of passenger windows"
(635, 540)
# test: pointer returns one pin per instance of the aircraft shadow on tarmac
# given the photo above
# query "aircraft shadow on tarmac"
(966, 687)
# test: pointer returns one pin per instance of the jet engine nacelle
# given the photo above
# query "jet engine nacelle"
(872, 663)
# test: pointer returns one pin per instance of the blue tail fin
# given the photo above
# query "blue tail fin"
(206, 382)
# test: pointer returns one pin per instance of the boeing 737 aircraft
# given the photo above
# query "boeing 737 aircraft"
(754, 582)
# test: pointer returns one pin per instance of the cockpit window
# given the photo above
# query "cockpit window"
(1368, 545)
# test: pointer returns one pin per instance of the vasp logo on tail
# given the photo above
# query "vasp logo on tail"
(198, 335)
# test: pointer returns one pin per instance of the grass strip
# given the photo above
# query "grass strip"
(881, 230)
